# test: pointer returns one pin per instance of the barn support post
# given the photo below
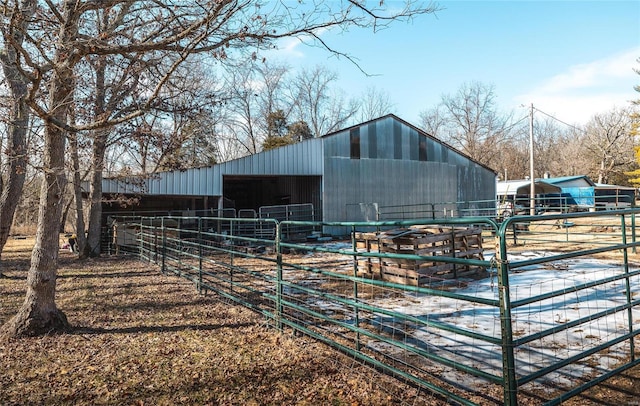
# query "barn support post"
(356, 315)
(220, 213)
(509, 384)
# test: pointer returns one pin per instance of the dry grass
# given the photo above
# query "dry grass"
(144, 338)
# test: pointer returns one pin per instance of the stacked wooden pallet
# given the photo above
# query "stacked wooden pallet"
(422, 243)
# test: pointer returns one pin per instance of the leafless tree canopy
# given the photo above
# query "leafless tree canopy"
(84, 67)
(469, 120)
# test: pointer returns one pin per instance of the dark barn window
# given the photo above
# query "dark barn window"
(422, 149)
(373, 142)
(355, 143)
(397, 140)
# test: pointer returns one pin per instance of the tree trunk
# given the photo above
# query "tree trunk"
(65, 213)
(77, 192)
(39, 313)
(16, 149)
(601, 171)
(92, 247)
(17, 168)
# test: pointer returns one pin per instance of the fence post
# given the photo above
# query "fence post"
(199, 255)
(509, 383)
(453, 251)
(633, 223)
(628, 287)
(164, 245)
(155, 242)
(231, 239)
(356, 315)
(278, 277)
(141, 240)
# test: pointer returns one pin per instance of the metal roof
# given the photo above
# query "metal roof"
(523, 187)
(570, 179)
(613, 187)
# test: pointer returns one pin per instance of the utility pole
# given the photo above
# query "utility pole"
(532, 192)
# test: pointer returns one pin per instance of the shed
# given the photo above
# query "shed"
(385, 161)
(580, 189)
(613, 196)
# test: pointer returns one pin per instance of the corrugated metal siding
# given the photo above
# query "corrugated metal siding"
(348, 182)
(303, 158)
(298, 159)
(392, 175)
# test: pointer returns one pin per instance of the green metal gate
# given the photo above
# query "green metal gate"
(553, 309)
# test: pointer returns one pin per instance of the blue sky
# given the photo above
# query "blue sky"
(571, 59)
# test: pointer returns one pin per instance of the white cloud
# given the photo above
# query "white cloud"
(583, 90)
(574, 109)
(290, 47)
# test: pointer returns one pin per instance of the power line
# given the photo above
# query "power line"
(563, 122)
(517, 122)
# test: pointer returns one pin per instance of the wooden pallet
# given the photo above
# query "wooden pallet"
(426, 242)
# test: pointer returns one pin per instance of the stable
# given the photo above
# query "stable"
(382, 162)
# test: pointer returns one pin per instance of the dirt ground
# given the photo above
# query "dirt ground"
(143, 338)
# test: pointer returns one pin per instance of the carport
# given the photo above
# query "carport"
(514, 189)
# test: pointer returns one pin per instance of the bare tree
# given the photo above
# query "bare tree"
(634, 174)
(433, 121)
(271, 92)
(316, 103)
(244, 124)
(178, 131)
(63, 35)
(13, 28)
(375, 103)
(255, 91)
(469, 121)
(513, 162)
(608, 143)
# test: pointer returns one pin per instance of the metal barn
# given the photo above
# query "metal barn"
(385, 162)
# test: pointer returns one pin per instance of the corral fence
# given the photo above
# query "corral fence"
(501, 208)
(441, 210)
(538, 321)
(119, 235)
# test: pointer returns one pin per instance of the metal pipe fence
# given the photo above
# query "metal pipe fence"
(501, 208)
(552, 309)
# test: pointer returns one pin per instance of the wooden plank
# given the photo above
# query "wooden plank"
(400, 279)
(425, 241)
